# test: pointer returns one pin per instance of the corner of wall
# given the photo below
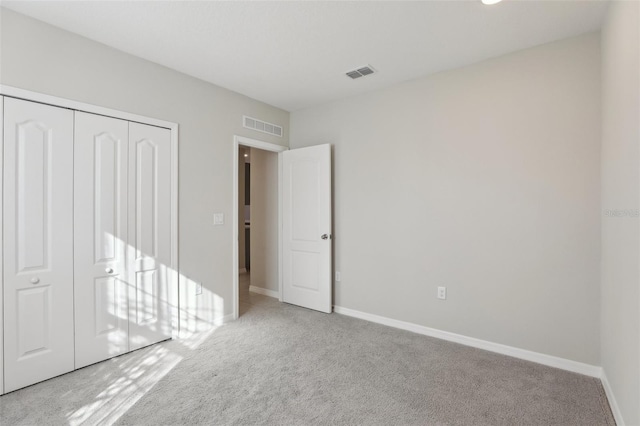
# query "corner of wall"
(620, 197)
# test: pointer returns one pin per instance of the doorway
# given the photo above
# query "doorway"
(256, 219)
(303, 251)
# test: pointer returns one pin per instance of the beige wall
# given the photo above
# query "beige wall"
(483, 179)
(264, 219)
(621, 191)
(42, 58)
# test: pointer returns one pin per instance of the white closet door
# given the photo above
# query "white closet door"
(100, 185)
(149, 234)
(38, 242)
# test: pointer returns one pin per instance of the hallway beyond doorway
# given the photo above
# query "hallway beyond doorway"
(248, 298)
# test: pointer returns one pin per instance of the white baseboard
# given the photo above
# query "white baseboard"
(549, 360)
(264, 291)
(198, 326)
(617, 414)
(218, 321)
(225, 319)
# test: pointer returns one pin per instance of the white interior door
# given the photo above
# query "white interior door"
(100, 211)
(38, 242)
(149, 234)
(306, 233)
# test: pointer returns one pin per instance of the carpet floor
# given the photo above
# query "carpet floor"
(283, 365)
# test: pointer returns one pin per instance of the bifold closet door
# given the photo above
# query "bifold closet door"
(101, 168)
(38, 243)
(149, 247)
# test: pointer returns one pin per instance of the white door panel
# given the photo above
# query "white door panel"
(38, 245)
(100, 151)
(149, 250)
(306, 217)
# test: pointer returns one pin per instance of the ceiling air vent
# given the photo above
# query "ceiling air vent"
(361, 72)
(261, 126)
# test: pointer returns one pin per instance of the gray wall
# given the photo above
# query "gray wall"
(483, 179)
(42, 58)
(264, 219)
(621, 191)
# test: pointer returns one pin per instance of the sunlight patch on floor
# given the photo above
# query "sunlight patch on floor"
(139, 375)
(136, 374)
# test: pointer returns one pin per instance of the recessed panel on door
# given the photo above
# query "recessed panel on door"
(149, 251)
(101, 294)
(306, 227)
(38, 245)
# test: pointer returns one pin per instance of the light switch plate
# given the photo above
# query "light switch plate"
(198, 289)
(218, 218)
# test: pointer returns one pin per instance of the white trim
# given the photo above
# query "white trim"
(615, 409)
(549, 360)
(1, 245)
(175, 230)
(255, 143)
(27, 95)
(235, 268)
(264, 291)
(223, 320)
(280, 226)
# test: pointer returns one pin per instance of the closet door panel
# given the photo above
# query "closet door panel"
(100, 152)
(149, 234)
(38, 250)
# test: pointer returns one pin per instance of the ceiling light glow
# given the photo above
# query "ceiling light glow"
(490, 2)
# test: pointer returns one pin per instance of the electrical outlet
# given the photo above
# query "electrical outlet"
(218, 218)
(442, 293)
(198, 289)
(338, 276)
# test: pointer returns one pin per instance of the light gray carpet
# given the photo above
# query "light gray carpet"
(283, 365)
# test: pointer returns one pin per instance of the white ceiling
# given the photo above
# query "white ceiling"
(294, 54)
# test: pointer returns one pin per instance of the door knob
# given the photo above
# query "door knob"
(109, 270)
(35, 280)
(325, 236)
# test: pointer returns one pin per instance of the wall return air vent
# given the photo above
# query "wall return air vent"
(261, 126)
(361, 72)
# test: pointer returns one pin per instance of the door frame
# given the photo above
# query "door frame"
(1, 245)
(174, 276)
(265, 146)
